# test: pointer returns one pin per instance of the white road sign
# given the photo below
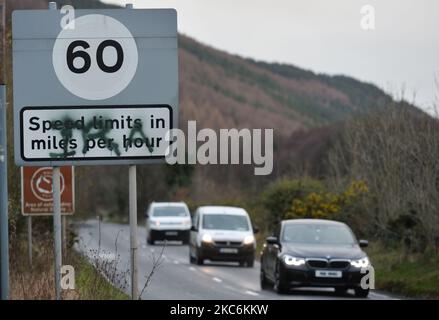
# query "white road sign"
(94, 133)
(102, 89)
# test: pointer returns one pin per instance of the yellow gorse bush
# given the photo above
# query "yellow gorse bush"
(326, 205)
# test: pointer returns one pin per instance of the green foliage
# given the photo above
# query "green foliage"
(327, 205)
(179, 175)
(278, 197)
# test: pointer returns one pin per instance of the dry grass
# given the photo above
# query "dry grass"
(37, 282)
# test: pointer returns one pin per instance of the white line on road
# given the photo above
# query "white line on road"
(217, 279)
(252, 293)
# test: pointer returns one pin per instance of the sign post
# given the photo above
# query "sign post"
(29, 240)
(57, 229)
(132, 181)
(133, 230)
(4, 235)
(109, 94)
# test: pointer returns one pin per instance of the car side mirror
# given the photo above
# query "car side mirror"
(194, 228)
(271, 240)
(255, 229)
(363, 243)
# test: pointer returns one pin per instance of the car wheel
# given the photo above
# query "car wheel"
(340, 291)
(279, 286)
(361, 293)
(263, 280)
(149, 240)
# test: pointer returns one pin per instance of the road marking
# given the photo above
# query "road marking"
(252, 293)
(217, 279)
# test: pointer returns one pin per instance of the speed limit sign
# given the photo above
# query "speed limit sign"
(100, 89)
(90, 64)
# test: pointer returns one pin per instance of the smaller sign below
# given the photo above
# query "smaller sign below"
(91, 134)
(37, 192)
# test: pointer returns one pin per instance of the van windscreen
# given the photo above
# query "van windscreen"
(225, 222)
(169, 211)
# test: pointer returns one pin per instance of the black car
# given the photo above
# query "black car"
(314, 253)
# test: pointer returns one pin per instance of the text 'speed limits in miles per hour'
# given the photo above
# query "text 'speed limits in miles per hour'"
(95, 133)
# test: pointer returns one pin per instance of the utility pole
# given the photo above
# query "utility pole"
(4, 234)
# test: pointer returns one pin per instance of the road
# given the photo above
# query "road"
(175, 278)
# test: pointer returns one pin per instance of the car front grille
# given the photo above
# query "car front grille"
(228, 243)
(339, 264)
(317, 263)
(325, 264)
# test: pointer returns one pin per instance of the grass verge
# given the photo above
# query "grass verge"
(36, 282)
(411, 275)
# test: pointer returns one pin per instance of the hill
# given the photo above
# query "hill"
(222, 90)
(235, 92)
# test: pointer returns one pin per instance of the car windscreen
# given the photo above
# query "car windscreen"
(317, 234)
(169, 211)
(225, 222)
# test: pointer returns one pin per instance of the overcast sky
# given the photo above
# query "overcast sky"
(324, 36)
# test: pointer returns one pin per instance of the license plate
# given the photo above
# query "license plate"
(171, 233)
(228, 250)
(328, 274)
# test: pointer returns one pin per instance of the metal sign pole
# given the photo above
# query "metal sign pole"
(4, 236)
(133, 230)
(29, 239)
(133, 222)
(57, 229)
(64, 236)
(56, 182)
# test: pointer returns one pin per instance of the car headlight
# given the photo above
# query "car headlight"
(360, 263)
(293, 261)
(207, 238)
(249, 239)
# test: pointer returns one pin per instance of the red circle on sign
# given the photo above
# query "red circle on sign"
(41, 184)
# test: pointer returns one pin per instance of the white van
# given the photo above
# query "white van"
(223, 234)
(168, 221)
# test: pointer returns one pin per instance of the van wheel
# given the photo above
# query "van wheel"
(250, 263)
(149, 240)
(199, 260)
(191, 259)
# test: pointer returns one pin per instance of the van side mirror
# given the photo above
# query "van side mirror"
(255, 229)
(363, 243)
(271, 240)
